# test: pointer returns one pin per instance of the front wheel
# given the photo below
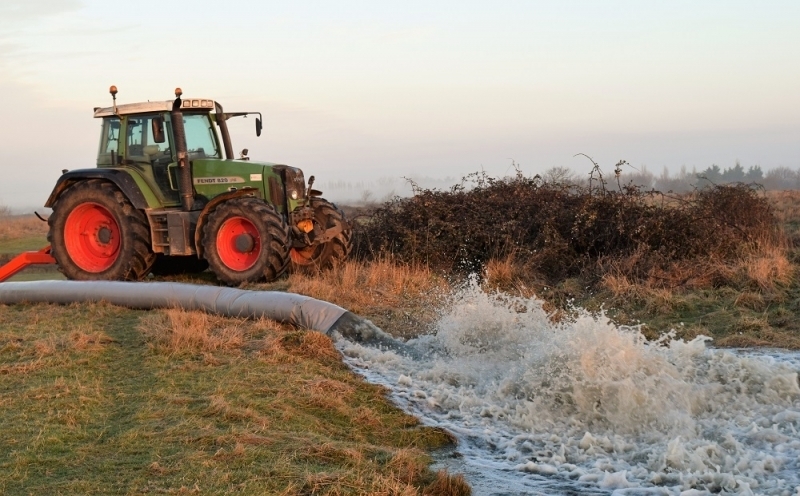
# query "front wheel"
(246, 240)
(324, 255)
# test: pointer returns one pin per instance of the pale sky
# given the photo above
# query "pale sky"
(423, 88)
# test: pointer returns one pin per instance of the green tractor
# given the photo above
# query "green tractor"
(168, 195)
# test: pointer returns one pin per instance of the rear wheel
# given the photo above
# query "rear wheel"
(246, 240)
(96, 233)
(316, 257)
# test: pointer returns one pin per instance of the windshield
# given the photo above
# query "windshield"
(201, 140)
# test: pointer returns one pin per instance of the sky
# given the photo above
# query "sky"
(355, 90)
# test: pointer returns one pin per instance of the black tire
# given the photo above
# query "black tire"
(315, 258)
(122, 235)
(174, 265)
(268, 256)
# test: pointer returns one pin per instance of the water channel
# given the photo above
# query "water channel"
(584, 406)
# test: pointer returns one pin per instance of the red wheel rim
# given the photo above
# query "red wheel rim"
(236, 258)
(303, 256)
(92, 237)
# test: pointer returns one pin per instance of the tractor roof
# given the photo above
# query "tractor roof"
(201, 104)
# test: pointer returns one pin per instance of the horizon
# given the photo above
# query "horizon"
(360, 91)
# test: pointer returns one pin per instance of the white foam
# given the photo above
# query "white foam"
(587, 404)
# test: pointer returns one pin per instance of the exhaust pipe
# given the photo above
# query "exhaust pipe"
(184, 172)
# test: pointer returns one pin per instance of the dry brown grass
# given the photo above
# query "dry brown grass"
(21, 226)
(768, 267)
(619, 285)
(177, 331)
(511, 276)
(786, 205)
(407, 467)
(361, 285)
(447, 484)
(397, 297)
(501, 273)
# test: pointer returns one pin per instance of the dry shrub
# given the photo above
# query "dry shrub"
(562, 230)
(177, 330)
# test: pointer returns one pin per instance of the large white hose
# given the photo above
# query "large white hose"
(298, 310)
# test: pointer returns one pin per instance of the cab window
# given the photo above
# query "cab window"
(200, 137)
(141, 145)
(109, 141)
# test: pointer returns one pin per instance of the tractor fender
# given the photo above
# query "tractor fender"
(210, 206)
(122, 179)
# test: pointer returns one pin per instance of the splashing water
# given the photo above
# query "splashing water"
(585, 406)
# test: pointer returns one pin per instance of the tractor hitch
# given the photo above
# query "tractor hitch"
(16, 264)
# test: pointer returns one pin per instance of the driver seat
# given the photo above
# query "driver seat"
(151, 152)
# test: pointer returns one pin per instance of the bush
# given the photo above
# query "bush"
(559, 229)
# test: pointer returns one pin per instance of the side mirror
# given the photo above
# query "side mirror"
(158, 129)
(258, 126)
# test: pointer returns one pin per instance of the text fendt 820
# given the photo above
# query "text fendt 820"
(169, 196)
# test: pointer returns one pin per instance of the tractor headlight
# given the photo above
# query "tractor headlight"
(295, 184)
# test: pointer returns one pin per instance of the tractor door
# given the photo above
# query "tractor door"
(109, 143)
(149, 149)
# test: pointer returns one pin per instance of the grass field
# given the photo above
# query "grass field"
(99, 399)
(96, 399)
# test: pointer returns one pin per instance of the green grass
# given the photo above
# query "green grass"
(18, 245)
(731, 318)
(96, 399)
(40, 273)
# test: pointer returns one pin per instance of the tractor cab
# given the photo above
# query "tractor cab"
(140, 136)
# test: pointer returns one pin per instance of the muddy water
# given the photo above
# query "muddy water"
(587, 407)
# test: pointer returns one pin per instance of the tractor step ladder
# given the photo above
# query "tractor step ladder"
(25, 259)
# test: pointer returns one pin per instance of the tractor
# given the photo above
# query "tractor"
(168, 195)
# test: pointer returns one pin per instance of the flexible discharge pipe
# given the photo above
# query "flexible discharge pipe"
(298, 310)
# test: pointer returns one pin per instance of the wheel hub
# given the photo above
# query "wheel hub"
(244, 243)
(104, 235)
